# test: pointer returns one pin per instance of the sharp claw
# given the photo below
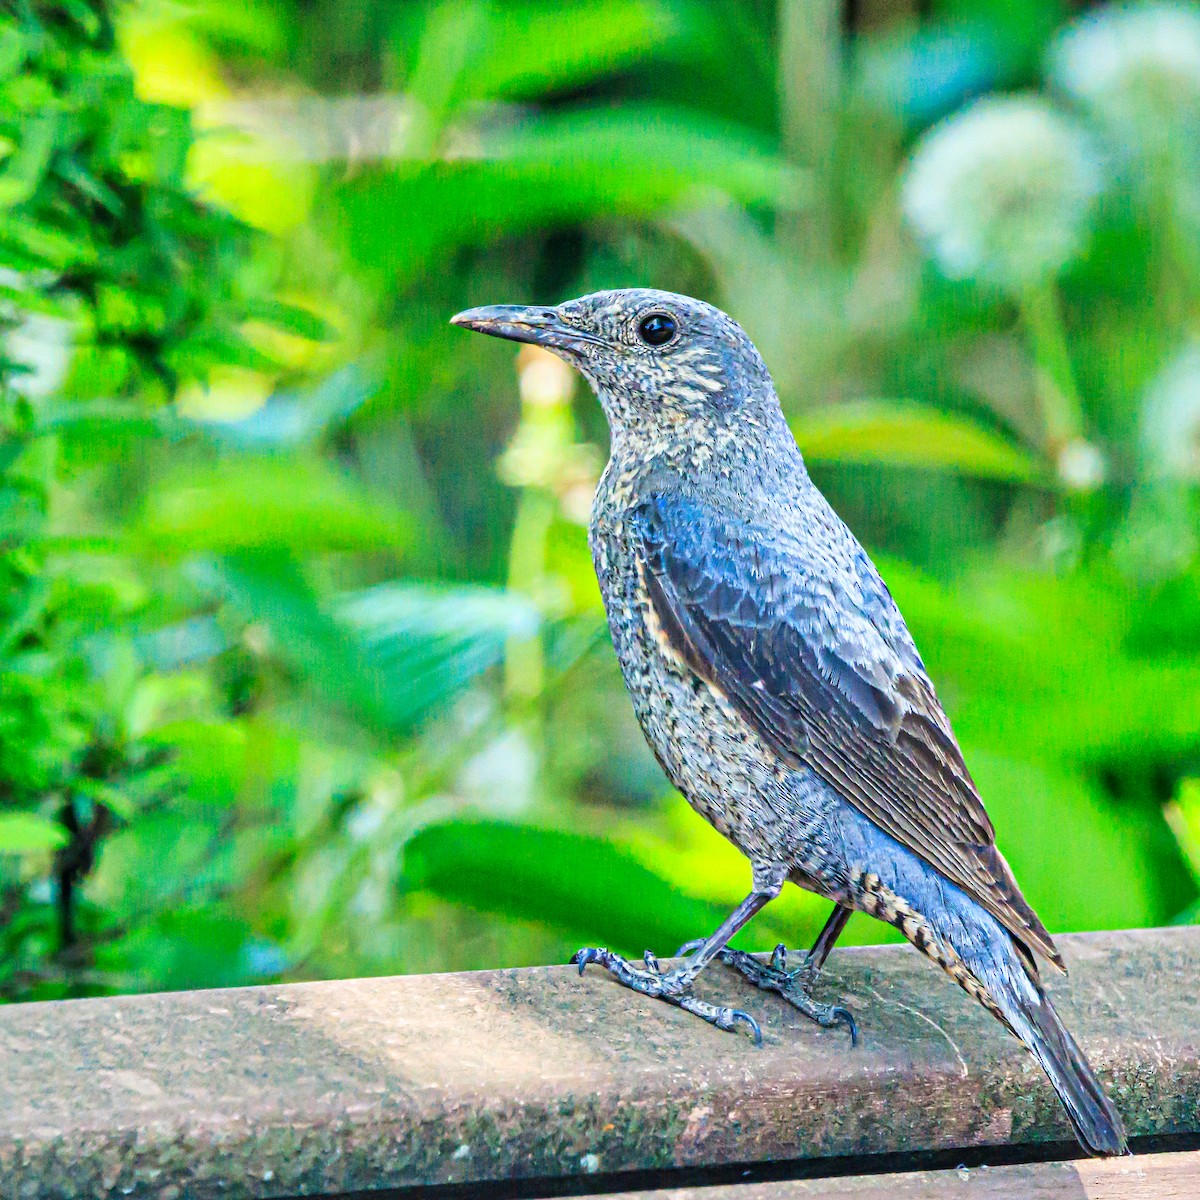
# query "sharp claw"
(581, 958)
(738, 1015)
(779, 958)
(688, 947)
(845, 1017)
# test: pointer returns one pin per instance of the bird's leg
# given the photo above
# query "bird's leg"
(675, 986)
(796, 986)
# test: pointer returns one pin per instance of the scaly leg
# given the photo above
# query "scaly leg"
(675, 986)
(795, 986)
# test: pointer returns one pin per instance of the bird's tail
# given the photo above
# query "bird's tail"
(1095, 1119)
(1020, 1002)
(988, 963)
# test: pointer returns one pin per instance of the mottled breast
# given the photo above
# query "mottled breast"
(708, 751)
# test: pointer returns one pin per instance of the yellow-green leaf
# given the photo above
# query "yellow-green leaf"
(29, 833)
(909, 435)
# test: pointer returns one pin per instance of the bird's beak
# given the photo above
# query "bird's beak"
(517, 323)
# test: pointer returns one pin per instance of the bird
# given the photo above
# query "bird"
(778, 684)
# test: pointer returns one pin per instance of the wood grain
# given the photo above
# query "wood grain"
(1145, 1177)
(539, 1075)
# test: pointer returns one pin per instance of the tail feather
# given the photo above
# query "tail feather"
(989, 963)
(1093, 1115)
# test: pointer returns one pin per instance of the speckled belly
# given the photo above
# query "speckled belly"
(772, 813)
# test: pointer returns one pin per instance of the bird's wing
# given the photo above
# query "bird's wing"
(823, 667)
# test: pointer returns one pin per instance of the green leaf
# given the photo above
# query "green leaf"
(30, 833)
(114, 799)
(582, 166)
(13, 50)
(585, 887)
(486, 51)
(198, 353)
(10, 451)
(264, 501)
(265, 584)
(909, 435)
(1031, 806)
(429, 643)
(24, 170)
(290, 318)
(25, 242)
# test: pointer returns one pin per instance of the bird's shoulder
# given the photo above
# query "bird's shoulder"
(781, 562)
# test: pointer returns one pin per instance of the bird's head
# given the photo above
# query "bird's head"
(659, 362)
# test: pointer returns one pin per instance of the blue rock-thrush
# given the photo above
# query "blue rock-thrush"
(777, 683)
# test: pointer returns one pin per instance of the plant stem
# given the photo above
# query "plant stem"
(1057, 392)
(809, 87)
(524, 663)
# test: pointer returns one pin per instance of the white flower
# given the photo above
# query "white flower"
(1171, 418)
(501, 777)
(544, 379)
(1082, 466)
(1137, 67)
(39, 342)
(1002, 191)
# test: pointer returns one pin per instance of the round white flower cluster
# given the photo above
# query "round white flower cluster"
(1002, 190)
(1136, 67)
(1082, 466)
(1171, 418)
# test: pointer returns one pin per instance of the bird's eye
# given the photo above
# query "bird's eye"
(657, 328)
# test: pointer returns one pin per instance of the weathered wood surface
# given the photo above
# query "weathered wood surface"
(538, 1074)
(1144, 1177)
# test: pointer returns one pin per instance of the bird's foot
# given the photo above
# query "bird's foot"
(675, 987)
(794, 986)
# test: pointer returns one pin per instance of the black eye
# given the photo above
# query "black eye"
(657, 329)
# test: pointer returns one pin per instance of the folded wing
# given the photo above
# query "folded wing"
(821, 664)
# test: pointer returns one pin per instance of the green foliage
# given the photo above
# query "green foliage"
(586, 886)
(302, 665)
(908, 435)
(109, 261)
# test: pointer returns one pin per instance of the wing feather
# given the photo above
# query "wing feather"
(825, 670)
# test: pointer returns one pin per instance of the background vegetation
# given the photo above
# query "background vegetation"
(302, 666)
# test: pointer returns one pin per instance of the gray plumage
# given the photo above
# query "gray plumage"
(776, 681)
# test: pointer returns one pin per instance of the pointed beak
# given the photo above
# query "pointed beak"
(517, 323)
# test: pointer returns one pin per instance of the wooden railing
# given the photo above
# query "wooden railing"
(536, 1082)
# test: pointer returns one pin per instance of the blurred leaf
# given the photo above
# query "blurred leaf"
(29, 833)
(430, 642)
(518, 48)
(116, 801)
(1167, 622)
(584, 886)
(23, 171)
(10, 451)
(300, 503)
(1032, 806)
(267, 585)
(870, 431)
(26, 244)
(94, 420)
(191, 947)
(1183, 816)
(290, 318)
(581, 166)
(290, 419)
